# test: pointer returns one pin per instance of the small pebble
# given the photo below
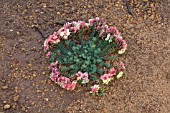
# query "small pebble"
(38, 91)
(7, 106)
(49, 81)
(46, 99)
(42, 12)
(34, 75)
(16, 98)
(44, 5)
(23, 49)
(29, 64)
(105, 110)
(18, 33)
(4, 102)
(4, 87)
(13, 106)
(20, 40)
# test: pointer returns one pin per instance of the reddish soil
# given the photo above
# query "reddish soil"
(24, 78)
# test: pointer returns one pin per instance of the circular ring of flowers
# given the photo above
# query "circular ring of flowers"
(69, 52)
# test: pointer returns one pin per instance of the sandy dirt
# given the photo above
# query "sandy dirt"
(24, 76)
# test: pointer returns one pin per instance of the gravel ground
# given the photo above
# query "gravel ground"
(24, 78)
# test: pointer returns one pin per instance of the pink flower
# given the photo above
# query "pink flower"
(55, 70)
(46, 44)
(46, 48)
(73, 29)
(55, 33)
(103, 30)
(67, 25)
(65, 82)
(98, 28)
(124, 47)
(65, 33)
(105, 27)
(91, 21)
(102, 21)
(76, 25)
(53, 64)
(94, 89)
(62, 81)
(83, 24)
(112, 71)
(53, 77)
(106, 78)
(54, 74)
(70, 86)
(114, 31)
(97, 18)
(101, 33)
(122, 65)
(79, 75)
(59, 31)
(119, 39)
(53, 38)
(48, 54)
(56, 41)
(83, 76)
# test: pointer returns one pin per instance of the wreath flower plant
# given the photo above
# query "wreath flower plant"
(85, 53)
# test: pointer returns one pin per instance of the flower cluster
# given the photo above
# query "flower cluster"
(74, 27)
(107, 77)
(95, 89)
(83, 77)
(75, 60)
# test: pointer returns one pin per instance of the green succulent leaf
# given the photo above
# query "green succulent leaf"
(80, 37)
(93, 77)
(64, 69)
(99, 71)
